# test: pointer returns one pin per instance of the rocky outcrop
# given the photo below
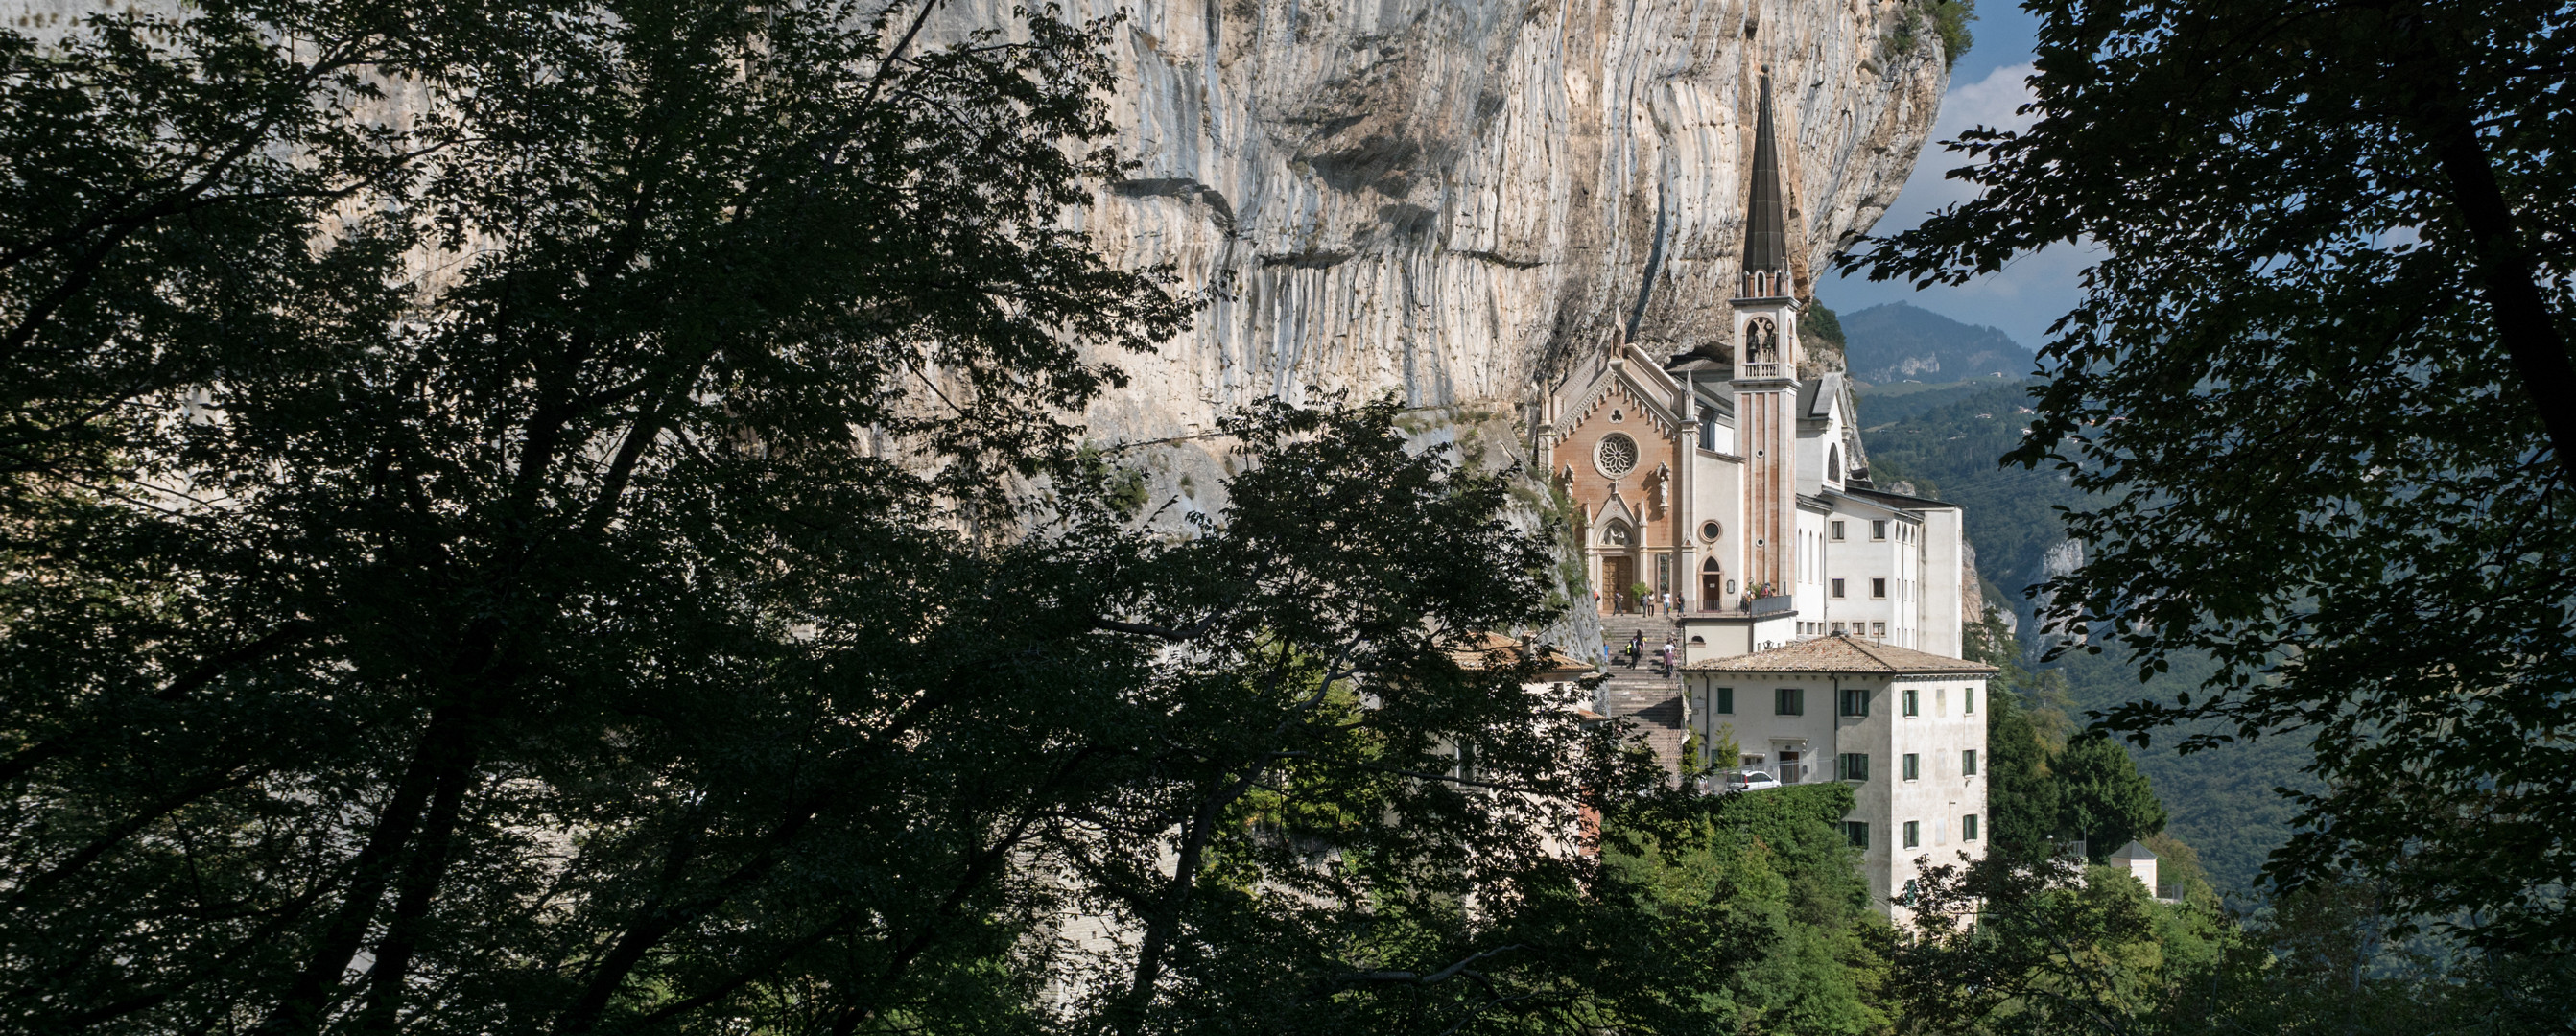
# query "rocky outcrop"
(1447, 198)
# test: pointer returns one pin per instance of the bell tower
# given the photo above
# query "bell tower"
(1766, 367)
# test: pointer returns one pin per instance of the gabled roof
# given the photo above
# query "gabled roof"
(1816, 398)
(1897, 500)
(1842, 654)
(2134, 851)
(1868, 502)
(1636, 376)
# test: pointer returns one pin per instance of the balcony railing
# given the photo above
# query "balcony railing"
(1760, 370)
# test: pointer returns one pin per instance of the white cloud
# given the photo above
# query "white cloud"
(1993, 101)
(2027, 295)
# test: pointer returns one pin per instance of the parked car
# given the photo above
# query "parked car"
(1751, 780)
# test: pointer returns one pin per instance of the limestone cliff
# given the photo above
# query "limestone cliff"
(1445, 197)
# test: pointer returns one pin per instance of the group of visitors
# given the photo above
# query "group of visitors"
(1636, 651)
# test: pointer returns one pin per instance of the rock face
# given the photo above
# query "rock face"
(1448, 197)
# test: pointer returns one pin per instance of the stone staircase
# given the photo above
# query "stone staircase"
(1644, 694)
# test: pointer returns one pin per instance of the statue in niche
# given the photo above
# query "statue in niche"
(1761, 342)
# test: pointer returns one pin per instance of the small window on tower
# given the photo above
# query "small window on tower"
(1913, 766)
(1913, 837)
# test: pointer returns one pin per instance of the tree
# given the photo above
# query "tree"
(604, 552)
(1742, 913)
(2022, 806)
(2317, 388)
(2028, 946)
(496, 564)
(2101, 797)
(2021, 795)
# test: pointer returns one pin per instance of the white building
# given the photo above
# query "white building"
(1731, 482)
(1905, 728)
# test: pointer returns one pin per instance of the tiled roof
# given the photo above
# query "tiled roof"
(1505, 651)
(1841, 654)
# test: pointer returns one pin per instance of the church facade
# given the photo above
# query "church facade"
(1729, 484)
(1820, 617)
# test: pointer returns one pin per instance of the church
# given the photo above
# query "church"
(1819, 616)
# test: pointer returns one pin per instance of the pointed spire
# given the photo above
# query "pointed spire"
(1766, 239)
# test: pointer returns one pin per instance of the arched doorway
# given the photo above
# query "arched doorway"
(1712, 586)
(1618, 571)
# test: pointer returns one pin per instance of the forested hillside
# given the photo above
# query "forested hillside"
(1945, 439)
(1895, 342)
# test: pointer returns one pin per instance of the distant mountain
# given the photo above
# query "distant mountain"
(1898, 342)
(1944, 439)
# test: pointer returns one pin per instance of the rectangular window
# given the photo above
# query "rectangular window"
(1838, 587)
(1878, 629)
(1913, 833)
(1725, 703)
(1858, 832)
(1913, 702)
(1878, 530)
(1790, 701)
(1968, 763)
(1913, 767)
(1855, 701)
(1968, 828)
(1878, 588)
(1838, 530)
(1851, 766)
(1838, 627)
(1968, 700)
(1940, 701)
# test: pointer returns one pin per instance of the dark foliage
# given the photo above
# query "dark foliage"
(2316, 391)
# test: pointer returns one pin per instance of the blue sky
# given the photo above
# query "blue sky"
(1985, 87)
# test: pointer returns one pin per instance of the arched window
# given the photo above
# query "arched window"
(1710, 565)
(1834, 463)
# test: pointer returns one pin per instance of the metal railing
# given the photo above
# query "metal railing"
(1757, 607)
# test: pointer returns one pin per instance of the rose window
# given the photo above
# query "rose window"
(1617, 455)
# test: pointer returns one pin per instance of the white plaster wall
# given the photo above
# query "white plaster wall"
(1944, 568)
(1942, 796)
